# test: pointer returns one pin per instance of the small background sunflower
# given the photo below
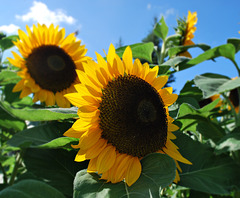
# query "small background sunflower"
(47, 63)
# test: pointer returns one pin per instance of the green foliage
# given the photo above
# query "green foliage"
(161, 29)
(139, 50)
(209, 173)
(36, 160)
(30, 188)
(158, 172)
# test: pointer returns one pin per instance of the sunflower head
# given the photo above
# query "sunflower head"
(186, 28)
(123, 116)
(47, 64)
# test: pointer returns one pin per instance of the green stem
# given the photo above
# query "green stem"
(232, 109)
(163, 49)
(16, 166)
(236, 65)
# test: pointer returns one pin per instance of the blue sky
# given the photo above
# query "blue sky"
(101, 22)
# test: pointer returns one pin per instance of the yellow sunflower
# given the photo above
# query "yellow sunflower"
(48, 64)
(123, 113)
(190, 29)
(186, 28)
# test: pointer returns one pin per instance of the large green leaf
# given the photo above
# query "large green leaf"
(192, 119)
(57, 167)
(229, 143)
(36, 114)
(7, 42)
(161, 29)
(227, 51)
(208, 173)
(139, 50)
(44, 136)
(177, 49)
(158, 171)
(30, 188)
(8, 77)
(212, 85)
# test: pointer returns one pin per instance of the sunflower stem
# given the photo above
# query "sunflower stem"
(236, 65)
(16, 166)
(237, 122)
(162, 54)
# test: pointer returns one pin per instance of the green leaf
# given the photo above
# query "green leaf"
(235, 42)
(55, 166)
(8, 121)
(158, 171)
(177, 49)
(208, 173)
(7, 42)
(192, 119)
(36, 114)
(173, 62)
(229, 143)
(139, 50)
(46, 136)
(8, 77)
(161, 29)
(59, 142)
(30, 188)
(211, 85)
(227, 51)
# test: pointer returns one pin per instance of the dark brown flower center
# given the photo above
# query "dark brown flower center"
(132, 116)
(51, 68)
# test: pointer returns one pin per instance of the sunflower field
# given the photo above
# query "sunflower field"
(112, 126)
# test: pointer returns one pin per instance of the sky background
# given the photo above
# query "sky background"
(101, 22)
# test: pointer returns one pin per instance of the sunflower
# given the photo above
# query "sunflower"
(123, 113)
(48, 64)
(186, 28)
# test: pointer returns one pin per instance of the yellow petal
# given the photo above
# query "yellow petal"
(134, 170)
(89, 138)
(42, 95)
(111, 54)
(73, 133)
(50, 101)
(25, 92)
(92, 166)
(174, 153)
(159, 82)
(128, 60)
(151, 76)
(80, 157)
(168, 99)
(172, 127)
(19, 86)
(96, 149)
(106, 159)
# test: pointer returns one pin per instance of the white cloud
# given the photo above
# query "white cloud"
(40, 13)
(149, 6)
(168, 12)
(9, 29)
